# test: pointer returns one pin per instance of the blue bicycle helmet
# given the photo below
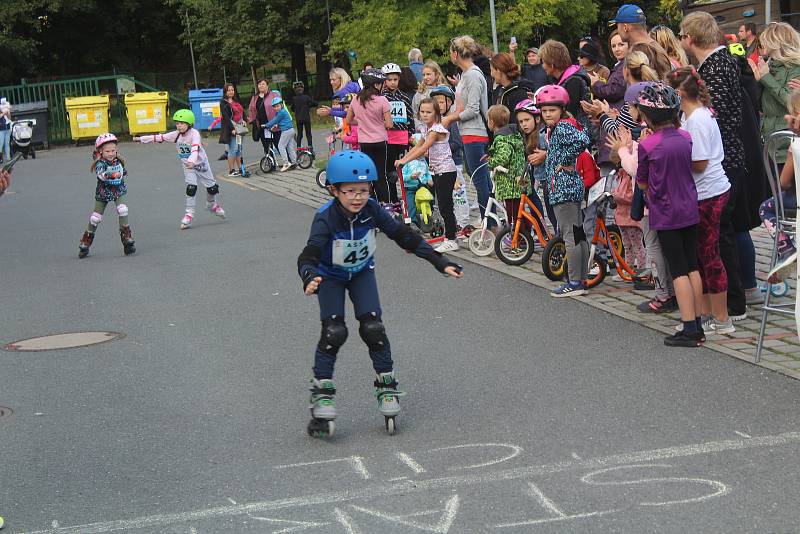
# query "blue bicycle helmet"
(350, 166)
(445, 91)
(277, 100)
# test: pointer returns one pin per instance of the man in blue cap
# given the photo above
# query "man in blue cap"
(631, 24)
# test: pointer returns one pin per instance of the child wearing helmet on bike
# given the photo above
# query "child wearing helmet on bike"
(402, 123)
(109, 169)
(287, 146)
(194, 162)
(665, 174)
(339, 258)
(566, 141)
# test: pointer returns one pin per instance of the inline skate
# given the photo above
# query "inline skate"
(388, 405)
(126, 237)
(323, 409)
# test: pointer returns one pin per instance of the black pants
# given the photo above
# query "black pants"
(680, 250)
(728, 248)
(307, 126)
(267, 141)
(377, 153)
(443, 184)
(393, 153)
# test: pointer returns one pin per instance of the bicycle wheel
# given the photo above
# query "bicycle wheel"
(481, 242)
(615, 240)
(304, 159)
(266, 164)
(597, 272)
(554, 259)
(321, 179)
(513, 255)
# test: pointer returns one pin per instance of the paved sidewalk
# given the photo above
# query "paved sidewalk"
(781, 351)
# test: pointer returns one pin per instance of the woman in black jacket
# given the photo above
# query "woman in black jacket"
(511, 89)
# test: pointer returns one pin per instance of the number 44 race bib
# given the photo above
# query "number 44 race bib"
(397, 110)
(352, 254)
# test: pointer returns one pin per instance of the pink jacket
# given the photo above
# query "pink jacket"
(352, 138)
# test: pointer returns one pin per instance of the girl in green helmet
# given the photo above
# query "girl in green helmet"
(195, 164)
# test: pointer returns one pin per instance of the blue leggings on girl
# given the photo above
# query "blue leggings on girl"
(363, 290)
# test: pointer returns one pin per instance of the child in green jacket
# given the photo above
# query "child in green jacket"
(507, 160)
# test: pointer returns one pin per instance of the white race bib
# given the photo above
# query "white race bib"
(397, 110)
(184, 150)
(352, 254)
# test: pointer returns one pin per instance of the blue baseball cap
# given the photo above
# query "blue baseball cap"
(629, 14)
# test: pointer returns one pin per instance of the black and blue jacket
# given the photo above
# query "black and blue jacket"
(341, 245)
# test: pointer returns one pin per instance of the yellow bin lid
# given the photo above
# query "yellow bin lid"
(146, 98)
(86, 101)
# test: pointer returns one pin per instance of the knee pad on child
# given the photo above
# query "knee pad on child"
(333, 336)
(95, 218)
(122, 210)
(191, 190)
(213, 190)
(372, 331)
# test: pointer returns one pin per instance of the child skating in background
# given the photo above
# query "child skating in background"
(665, 174)
(338, 258)
(566, 141)
(195, 164)
(442, 167)
(110, 171)
(446, 99)
(507, 160)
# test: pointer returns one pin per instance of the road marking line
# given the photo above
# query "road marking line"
(373, 491)
(410, 462)
(346, 521)
(544, 501)
(237, 182)
(441, 527)
(231, 501)
(554, 519)
(357, 462)
(515, 451)
(298, 525)
(742, 434)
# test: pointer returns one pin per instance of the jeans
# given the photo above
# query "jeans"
(287, 146)
(569, 213)
(5, 144)
(479, 171)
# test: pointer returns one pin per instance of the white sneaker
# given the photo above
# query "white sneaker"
(286, 167)
(715, 327)
(448, 245)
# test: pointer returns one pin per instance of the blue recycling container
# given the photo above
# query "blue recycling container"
(205, 106)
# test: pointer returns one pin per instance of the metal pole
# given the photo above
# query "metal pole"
(494, 26)
(328, 17)
(767, 11)
(191, 49)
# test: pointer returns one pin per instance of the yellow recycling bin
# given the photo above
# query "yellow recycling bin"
(147, 112)
(87, 115)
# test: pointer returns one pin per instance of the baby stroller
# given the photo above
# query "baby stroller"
(21, 135)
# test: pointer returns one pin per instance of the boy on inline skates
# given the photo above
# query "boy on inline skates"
(339, 257)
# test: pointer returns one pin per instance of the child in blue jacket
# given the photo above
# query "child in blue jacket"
(339, 257)
(287, 146)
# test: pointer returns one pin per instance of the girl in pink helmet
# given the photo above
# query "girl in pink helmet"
(566, 141)
(110, 171)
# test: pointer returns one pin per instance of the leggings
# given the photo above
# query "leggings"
(443, 184)
(363, 291)
(512, 208)
(657, 262)
(100, 208)
(393, 153)
(712, 270)
(680, 249)
(377, 153)
(635, 254)
(307, 126)
(728, 247)
(569, 213)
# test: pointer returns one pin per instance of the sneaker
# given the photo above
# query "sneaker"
(754, 296)
(569, 289)
(234, 172)
(448, 245)
(704, 321)
(286, 167)
(617, 278)
(657, 305)
(684, 340)
(644, 284)
(715, 327)
(736, 317)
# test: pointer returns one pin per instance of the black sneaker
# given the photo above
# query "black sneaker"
(681, 339)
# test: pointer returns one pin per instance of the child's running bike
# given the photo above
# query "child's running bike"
(482, 239)
(554, 257)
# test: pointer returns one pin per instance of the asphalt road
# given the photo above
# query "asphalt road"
(523, 414)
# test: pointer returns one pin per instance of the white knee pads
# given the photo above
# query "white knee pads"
(95, 218)
(122, 209)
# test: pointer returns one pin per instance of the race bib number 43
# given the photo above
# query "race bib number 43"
(397, 110)
(352, 254)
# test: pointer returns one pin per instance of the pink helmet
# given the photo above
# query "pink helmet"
(553, 95)
(103, 139)
(527, 106)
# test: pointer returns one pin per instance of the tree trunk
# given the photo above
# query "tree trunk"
(299, 70)
(322, 87)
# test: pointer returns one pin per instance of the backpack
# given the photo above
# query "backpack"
(588, 169)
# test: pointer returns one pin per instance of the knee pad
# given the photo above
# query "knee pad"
(373, 332)
(95, 218)
(122, 209)
(333, 336)
(213, 190)
(579, 234)
(191, 190)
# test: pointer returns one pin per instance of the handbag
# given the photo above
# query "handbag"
(240, 128)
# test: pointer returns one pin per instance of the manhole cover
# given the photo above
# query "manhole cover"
(68, 340)
(5, 412)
